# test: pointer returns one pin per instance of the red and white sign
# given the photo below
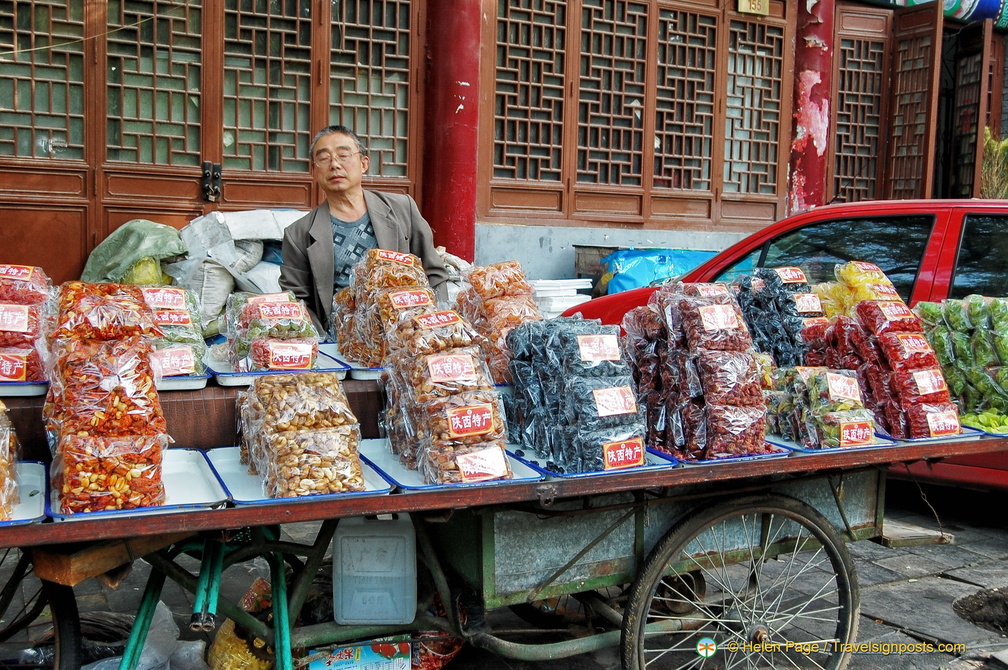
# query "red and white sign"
(929, 381)
(603, 347)
(174, 361)
(17, 271)
(172, 317)
(437, 319)
(470, 420)
(270, 297)
(280, 311)
(856, 433)
(914, 343)
(791, 275)
(482, 465)
(623, 454)
(841, 387)
(718, 317)
(868, 268)
(894, 310)
(290, 355)
(883, 291)
(410, 298)
(395, 256)
(164, 297)
(711, 290)
(808, 303)
(615, 400)
(13, 367)
(943, 424)
(14, 318)
(451, 367)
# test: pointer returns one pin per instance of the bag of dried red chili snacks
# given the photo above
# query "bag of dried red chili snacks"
(926, 419)
(884, 316)
(9, 452)
(103, 388)
(102, 312)
(24, 284)
(91, 474)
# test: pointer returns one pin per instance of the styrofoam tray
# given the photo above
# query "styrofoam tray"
(354, 370)
(182, 383)
(879, 441)
(14, 389)
(777, 452)
(244, 488)
(225, 375)
(653, 461)
(189, 483)
(378, 454)
(31, 481)
(967, 433)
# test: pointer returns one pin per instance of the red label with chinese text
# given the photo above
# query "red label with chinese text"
(791, 275)
(451, 367)
(718, 317)
(437, 319)
(395, 256)
(854, 433)
(14, 318)
(290, 355)
(843, 387)
(807, 303)
(943, 424)
(164, 297)
(172, 317)
(623, 454)
(17, 271)
(929, 381)
(615, 400)
(174, 361)
(604, 347)
(470, 420)
(412, 298)
(13, 367)
(482, 465)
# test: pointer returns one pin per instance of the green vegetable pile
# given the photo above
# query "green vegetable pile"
(989, 421)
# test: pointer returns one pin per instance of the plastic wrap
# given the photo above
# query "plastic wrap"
(462, 418)
(735, 431)
(920, 386)
(20, 325)
(930, 419)
(102, 312)
(930, 313)
(314, 461)
(594, 403)
(298, 401)
(22, 364)
(9, 452)
(104, 389)
(844, 428)
(267, 353)
(452, 463)
(614, 448)
(884, 316)
(833, 391)
(499, 279)
(907, 350)
(169, 359)
(381, 269)
(729, 378)
(957, 315)
(451, 371)
(713, 323)
(93, 474)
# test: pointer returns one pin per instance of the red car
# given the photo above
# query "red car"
(930, 250)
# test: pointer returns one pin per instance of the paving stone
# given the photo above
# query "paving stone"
(912, 565)
(924, 606)
(990, 575)
(869, 574)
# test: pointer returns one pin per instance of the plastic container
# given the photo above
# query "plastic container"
(374, 571)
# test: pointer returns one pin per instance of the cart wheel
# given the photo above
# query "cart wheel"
(25, 598)
(775, 574)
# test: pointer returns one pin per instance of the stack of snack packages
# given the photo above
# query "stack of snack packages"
(384, 284)
(182, 349)
(785, 318)
(271, 331)
(575, 396)
(819, 408)
(444, 418)
(300, 435)
(970, 339)
(709, 381)
(9, 451)
(102, 412)
(497, 299)
(855, 281)
(25, 308)
(884, 343)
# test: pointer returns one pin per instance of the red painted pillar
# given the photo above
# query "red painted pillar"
(813, 81)
(450, 123)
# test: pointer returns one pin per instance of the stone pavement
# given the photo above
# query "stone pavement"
(907, 592)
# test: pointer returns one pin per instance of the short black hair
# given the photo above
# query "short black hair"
(331, 130)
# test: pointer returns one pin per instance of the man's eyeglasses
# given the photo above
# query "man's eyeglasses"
(326, 160)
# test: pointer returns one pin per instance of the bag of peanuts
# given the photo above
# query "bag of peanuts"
(301, 435)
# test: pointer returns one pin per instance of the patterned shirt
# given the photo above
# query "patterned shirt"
(351, 240)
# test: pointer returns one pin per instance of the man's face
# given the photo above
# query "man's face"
(337, 165)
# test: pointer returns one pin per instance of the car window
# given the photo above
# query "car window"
(982, 263)
(743, 266)
(894, 243)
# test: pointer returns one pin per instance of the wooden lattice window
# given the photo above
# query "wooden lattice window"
(970, 71)
(858, 102)
(42, 79)
(611, 99)
(754, 105)
(154, 88)
(370, 78)
(529, 91)
(267, 85)
(685, 99)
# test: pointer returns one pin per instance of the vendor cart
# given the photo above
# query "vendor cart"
(740, 563)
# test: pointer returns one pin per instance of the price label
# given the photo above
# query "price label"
(470, 420)
(14, 318)
(603, 347)
(943, 424)
(13, 367)
(164, 297)
(290, 355)
(482, 465)
(856, 433)
(718, 317)
(437, 319)
(615, 400)
(451, 367)
(414, 298)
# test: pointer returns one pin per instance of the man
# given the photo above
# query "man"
(321, 248)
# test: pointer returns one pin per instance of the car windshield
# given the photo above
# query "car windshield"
(894, 243)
